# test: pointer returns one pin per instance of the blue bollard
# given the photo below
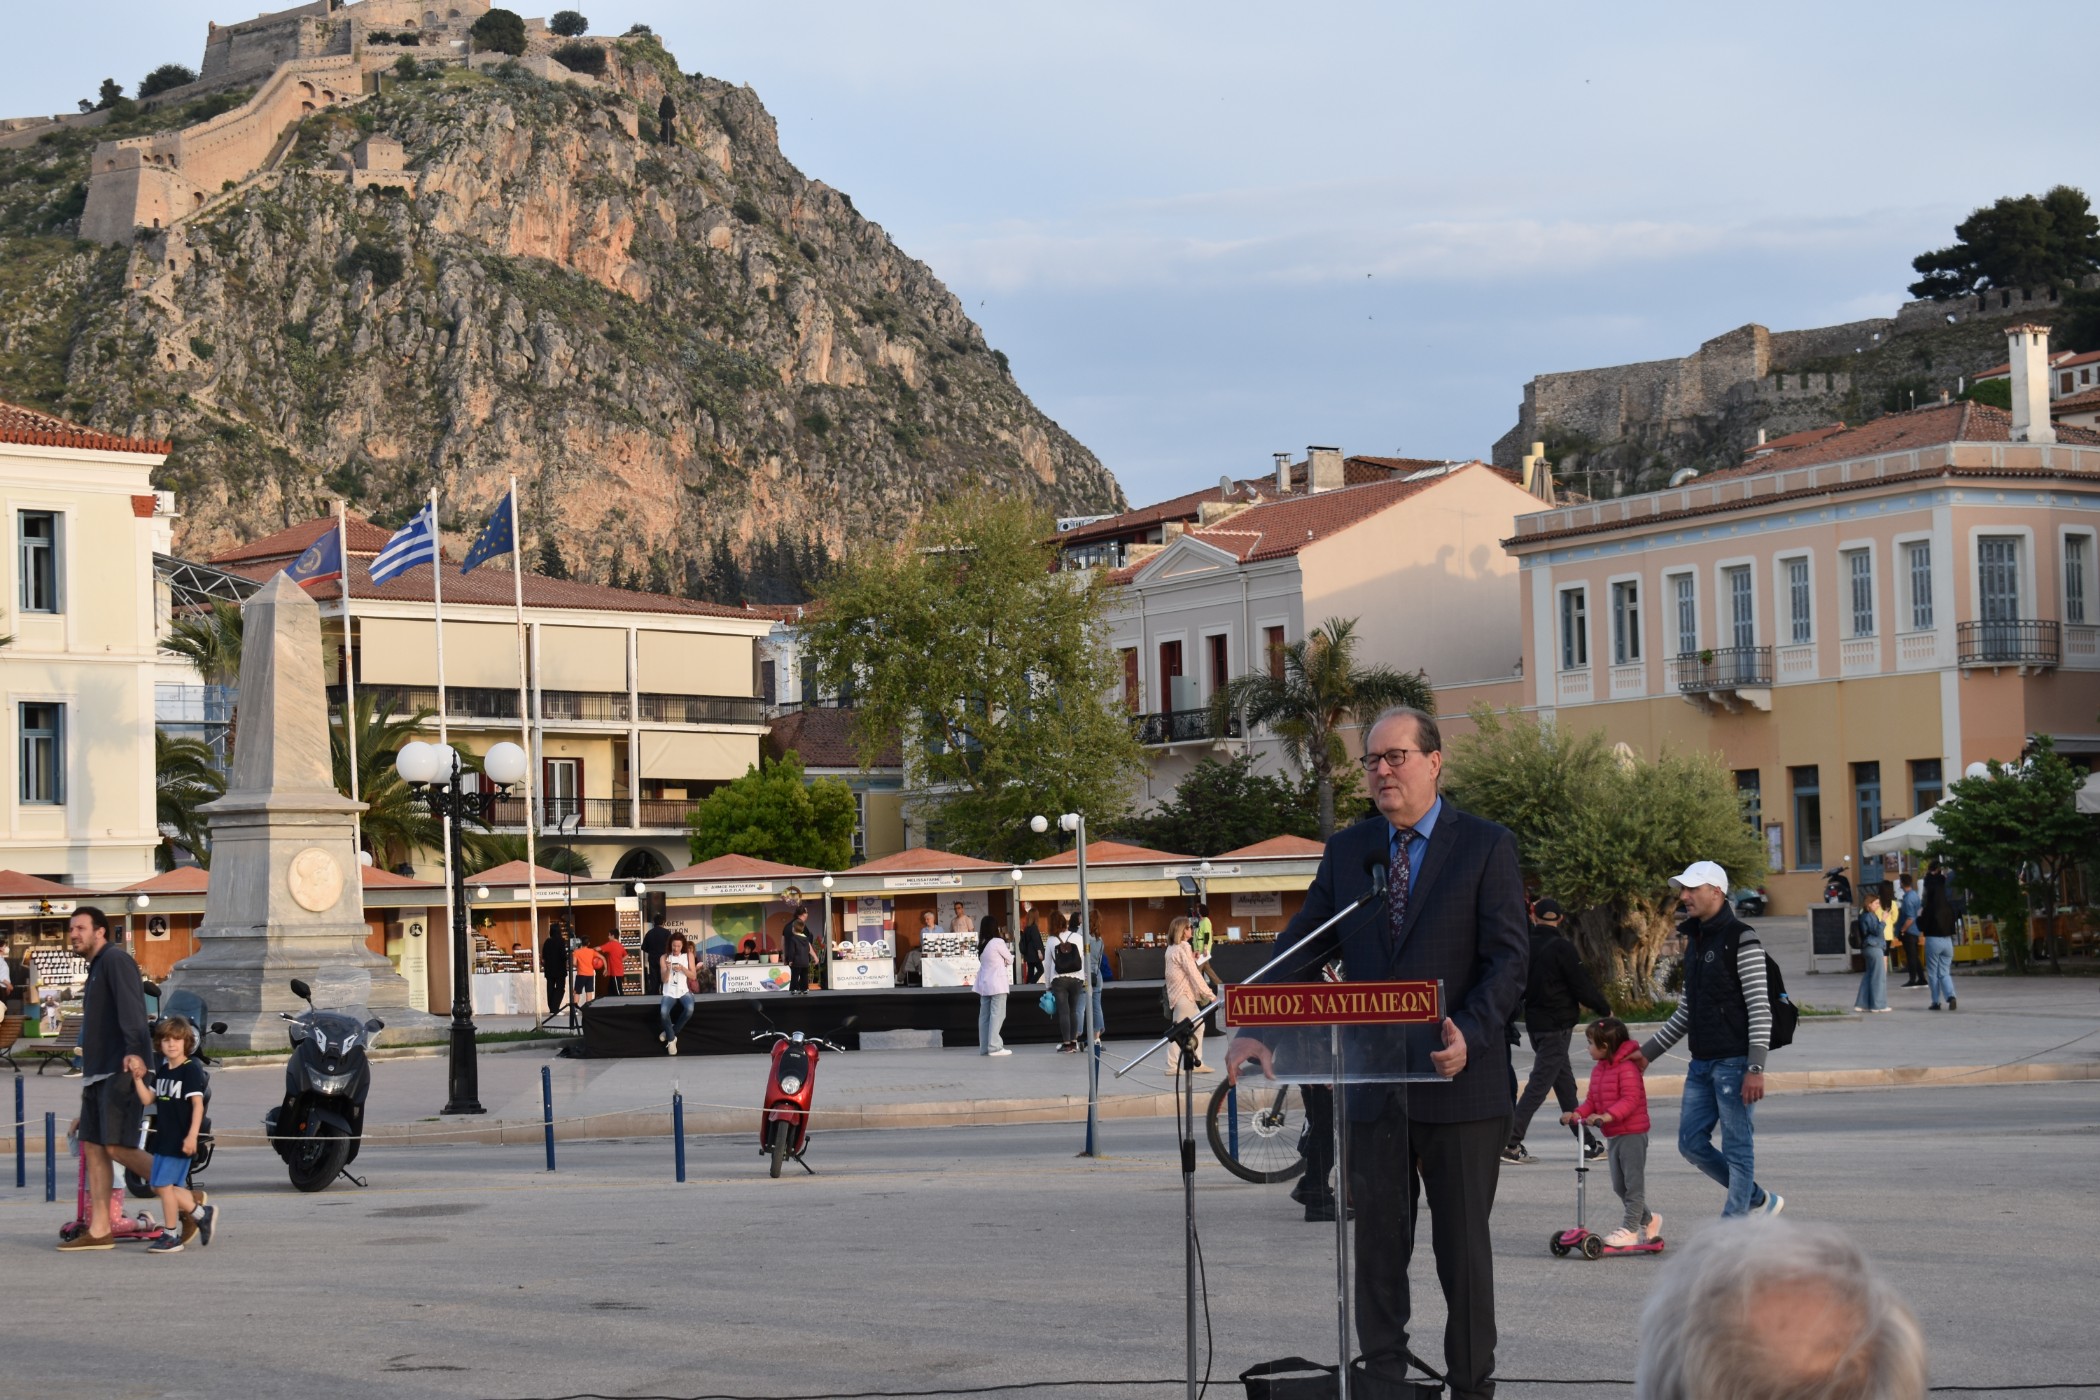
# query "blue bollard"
(51, 1156)
(21, 1142)
(678, 1129)
(547, 1109)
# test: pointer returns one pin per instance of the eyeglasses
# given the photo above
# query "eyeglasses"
(1394, 759)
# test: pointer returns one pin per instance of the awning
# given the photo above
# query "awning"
(2089, 794)
(1103, 889)
(701, 757)
(1260, 884)
(1913, 835)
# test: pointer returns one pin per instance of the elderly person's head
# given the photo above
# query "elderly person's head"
(1765, 1309)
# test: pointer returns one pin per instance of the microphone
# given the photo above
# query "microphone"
(1376, 870)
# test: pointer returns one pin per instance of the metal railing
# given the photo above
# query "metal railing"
(2025, 641)
(1182, 727)
(469, 702)
(1728, 668)
(461, 701)
(597, 814)
(703, 709)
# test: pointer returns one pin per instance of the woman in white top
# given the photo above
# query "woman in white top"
(995, 979)
(1187, 993)
(676, 1008)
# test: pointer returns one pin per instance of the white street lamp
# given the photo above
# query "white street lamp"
(504, 763)
(417, 762)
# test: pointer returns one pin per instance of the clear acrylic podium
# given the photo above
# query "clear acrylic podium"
(1347, 1048)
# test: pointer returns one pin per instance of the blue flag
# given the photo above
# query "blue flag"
(323, 559)
(495, 537)
(414, 543)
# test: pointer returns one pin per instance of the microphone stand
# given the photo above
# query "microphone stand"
(1183, 1034)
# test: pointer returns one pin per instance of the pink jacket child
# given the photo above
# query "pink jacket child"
(1616, 1089)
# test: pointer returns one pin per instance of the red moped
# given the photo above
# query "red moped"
(783, 1126)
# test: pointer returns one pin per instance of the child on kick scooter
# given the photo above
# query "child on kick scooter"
(1617, 1105)
(175, 1093)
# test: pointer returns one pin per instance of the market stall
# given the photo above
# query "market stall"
(884, 904)
(732, 909)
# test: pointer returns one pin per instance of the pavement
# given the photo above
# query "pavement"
(933, 1262)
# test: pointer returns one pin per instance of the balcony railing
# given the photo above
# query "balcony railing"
(595, 814)
(461, 701)
(593, 707)
(702, 709)
(2025, 641)
(1729, 668)
(468, 702)
(1182, 727)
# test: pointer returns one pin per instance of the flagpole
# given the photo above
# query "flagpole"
(437, 600)
(342, 549)
(525, 718)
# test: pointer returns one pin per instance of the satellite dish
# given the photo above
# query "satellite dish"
(1225, 485)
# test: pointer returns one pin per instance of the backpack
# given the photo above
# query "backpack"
(1068, 958)
(1785, 1015)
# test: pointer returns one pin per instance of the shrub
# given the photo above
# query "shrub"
(818, 422)
(999, 359)
(747, 209)
(385, 264)
(407, 68)
(582, 58)
(568, 24)
(500, 31)
(379, 36)
(168, 75)
(639, 31)
(667, 120)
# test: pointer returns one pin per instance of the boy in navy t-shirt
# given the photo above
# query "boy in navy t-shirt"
(175, 1092)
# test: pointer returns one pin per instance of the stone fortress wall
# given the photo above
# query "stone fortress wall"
(1748, 365)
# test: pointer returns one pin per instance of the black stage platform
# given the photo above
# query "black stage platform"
(724, 1022)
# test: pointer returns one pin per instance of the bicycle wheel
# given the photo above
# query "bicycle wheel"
(1255, 1131)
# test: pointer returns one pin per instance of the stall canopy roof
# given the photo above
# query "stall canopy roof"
(513, 872)
(189, 879)
(1110, 853)
(15, 885)
(373, 878)
(1913, 835)
(736, 868)
(922, 861)
(1277, 848)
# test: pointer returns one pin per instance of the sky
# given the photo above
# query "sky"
(1205, 233)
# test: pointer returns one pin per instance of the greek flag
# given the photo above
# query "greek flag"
(414, 543)
(495, 537)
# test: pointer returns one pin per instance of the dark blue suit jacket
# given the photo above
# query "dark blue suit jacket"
(1466, 924)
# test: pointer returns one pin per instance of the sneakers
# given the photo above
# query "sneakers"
(664, 1036)
(189, 1225)
(1934, 1007)
(1002, 1050)
(1324, 1210)
(1621, 1238)
(671, 1046)
(1951, 1004)
(1592, 1150)
(1516, 1156)
(1653, 1230)
(85, 1241)
(168, 1242)
(1070, 1047)
(207, 1224)
(1204, 1069)
(1774, 1203)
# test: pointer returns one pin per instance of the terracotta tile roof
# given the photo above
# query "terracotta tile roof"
(371, 877)
(34, 429)
(779, 612)
(511, 872)
(286, 545)
(2076, 403)
(2056, 358)
(1108, 853)
(823, 738)
(1277, 848)
(489, 585)
(187, 879)
(1791, 441)
(15, 885)
(736, 868)
(1182, 507)
(922, 860)
(1276, 529)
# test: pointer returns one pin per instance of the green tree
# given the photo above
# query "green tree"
(2013, 835)
(568, 24)
(772, 814)
(395, 824)
(168, 75)
(186, 776)
(1602, 830)
(1995, 392)
(108, 95)
(2023, 242)
(1321, 692)
(667, 121)
(500, 31)
(960, 642)
(1223, 805)
(209, 638)
(552, 565)
(582, 58)
(485, 850)
(2080, 327)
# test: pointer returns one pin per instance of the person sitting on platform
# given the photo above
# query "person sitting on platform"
(675, 974)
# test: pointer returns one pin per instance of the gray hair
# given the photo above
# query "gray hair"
(1763, 1309)
(1428, 737)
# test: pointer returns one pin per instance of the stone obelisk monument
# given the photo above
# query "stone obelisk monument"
(285, 897)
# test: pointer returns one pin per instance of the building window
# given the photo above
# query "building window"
(1742, 606)
(1749, 790)
(1859, 575)
(1919, 555)
(2077, 548)
(1132, 698)
(37, 530)
(1685, 588)
(43, 753)
(1625, 622)
(1866, 808)
(1170, 681)
(1574, 629)
(1925, 784)
(1808, 818)
(1799, 606)
(1272, 648)
(860, 826)
(1220, 661)
(1998, 576)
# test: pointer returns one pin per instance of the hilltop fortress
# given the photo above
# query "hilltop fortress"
(300, 60)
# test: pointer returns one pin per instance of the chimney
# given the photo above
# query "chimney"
(1760, 437)
(2028, 349)
(1283, 473)
(1323, 469)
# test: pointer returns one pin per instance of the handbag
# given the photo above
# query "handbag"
(1049, 1003)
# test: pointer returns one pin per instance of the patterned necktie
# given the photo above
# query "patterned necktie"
(1397, 878)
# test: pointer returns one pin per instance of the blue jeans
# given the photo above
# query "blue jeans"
(674, 1024)
(1100, 1025)
(1939, 969)
(1873, 994)
(991, 1016)
(1713, 1094)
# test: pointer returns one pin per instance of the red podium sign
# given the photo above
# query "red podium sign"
(1333, 1004)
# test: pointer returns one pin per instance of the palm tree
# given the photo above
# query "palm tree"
(209, 639)
(186, 774)
(396, 824)
(488, 849)
(1321, 691)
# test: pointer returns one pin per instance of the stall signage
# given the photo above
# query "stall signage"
(920, 882)
(851, 973)
(722, 887)
(36, 908)
(1173, 871)
(1333, 1004)
(1267, 903)
(752, 977)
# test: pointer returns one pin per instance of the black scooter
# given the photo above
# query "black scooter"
(318, 1127)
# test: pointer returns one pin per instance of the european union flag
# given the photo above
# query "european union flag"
(323, 559)
(495, 537)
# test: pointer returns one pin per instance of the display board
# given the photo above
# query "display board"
(752, 977)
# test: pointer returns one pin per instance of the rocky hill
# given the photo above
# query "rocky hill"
(686, 349)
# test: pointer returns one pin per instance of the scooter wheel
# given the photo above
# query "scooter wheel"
(1560, 1250)
(1592, 1247)
(68, 1230)
(778, 1148)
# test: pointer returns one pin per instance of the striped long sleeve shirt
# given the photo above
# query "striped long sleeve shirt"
(1757, 1004)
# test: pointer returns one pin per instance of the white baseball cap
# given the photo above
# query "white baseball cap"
(1701, 872)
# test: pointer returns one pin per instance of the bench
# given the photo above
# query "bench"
(64, 1046)
(10, 1032)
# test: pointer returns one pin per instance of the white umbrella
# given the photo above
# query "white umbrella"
(2089, 794)
(1912, 835)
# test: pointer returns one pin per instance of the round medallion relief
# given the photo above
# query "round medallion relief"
(315, 880)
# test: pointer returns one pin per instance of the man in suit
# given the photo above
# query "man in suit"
(1453, 910)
